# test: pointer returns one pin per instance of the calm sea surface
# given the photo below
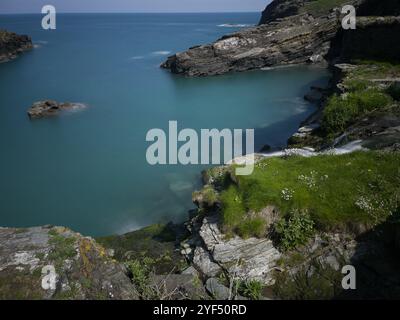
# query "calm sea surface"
(87, 170)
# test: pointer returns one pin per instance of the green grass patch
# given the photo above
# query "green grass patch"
(63, 248)
(341, 111)
(336, 191)
(251, 289)
(320, 7)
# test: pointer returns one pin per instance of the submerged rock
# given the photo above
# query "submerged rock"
(49, 108)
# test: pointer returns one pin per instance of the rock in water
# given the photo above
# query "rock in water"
(50, 108)
(12, 44)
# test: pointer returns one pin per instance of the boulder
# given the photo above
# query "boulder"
(217, 290)
(242, 258)
(48, 108)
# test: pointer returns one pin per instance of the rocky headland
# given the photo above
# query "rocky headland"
(12, 45)
(330, 199)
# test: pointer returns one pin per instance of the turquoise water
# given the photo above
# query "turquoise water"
(87, 170)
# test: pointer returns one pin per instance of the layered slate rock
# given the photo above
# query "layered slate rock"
(83, 270)
(290, 32)
(243, 259)
(294, 40)
(48, 108)
(12, 44)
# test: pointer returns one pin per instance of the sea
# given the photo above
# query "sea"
(86, 169)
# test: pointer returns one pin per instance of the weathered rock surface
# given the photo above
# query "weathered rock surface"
(280, 9)
(241, 258)
(289, 33)
(12, 44)
(178, 287)
(82, 268)
(293, 40)
(49, 108)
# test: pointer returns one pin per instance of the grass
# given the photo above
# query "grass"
(251, 289)
(341, 111)
(63, 248)
(336, 191)
(363, 95)
(319, 7)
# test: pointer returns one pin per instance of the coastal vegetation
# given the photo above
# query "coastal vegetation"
(364, 94)
(319, 7)
(330, 191)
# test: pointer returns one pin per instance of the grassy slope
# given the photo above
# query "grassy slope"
(319, 7)
(363, 96)
(362, 187)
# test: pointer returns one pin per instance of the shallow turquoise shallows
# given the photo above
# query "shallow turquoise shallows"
(87, 170)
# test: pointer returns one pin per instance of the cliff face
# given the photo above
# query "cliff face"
(372, 40)
(281, 9)
(291, 32)
(293, 40)
(12, 44)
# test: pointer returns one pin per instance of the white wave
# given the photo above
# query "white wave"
(232, 25)
(161, 53)
(136, 58)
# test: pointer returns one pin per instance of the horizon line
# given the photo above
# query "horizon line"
(130, 12)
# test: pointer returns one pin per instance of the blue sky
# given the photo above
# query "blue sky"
(34, 6)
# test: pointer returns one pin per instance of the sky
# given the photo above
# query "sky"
(34, 6)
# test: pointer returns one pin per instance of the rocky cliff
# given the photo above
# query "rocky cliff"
(290, 32)
(12, 44)
(82, 269)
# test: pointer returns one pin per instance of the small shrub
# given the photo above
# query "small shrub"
(140, 271)
(294, 231)
(251, 289)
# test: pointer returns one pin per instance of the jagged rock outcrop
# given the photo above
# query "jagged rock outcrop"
(49, 108)
(243, 259)
(293, 40)
(289, 33)
(281, 9)
(12, 44)
(83, 270)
